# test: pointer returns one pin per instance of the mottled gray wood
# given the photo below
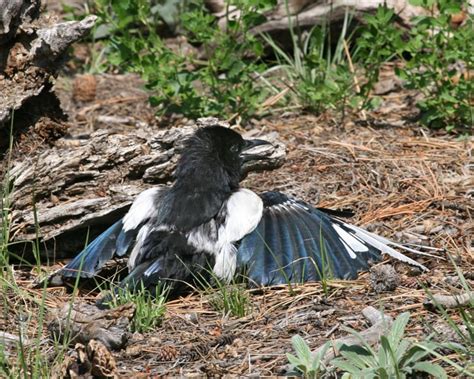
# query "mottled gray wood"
(85, 322)
(82, 183)
(32, 49)
(333, 11)
(13, 13)
(307, 13)
(450, 301)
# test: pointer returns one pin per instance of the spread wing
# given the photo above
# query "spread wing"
(117, 240)
(295, 242)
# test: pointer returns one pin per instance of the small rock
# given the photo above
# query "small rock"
(414, 271)
(384, 278)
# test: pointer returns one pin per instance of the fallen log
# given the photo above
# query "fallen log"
(308, 13)
(77, 184)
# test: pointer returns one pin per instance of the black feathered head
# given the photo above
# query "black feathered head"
(215, 153)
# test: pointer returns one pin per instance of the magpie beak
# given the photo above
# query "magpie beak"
(249, 145)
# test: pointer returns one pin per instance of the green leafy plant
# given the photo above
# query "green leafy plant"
(149, 307)
(309, 364)
(374, 47)
(225, 84)
(433, 52)
(319, 77)
(437, 49)
(396, 356)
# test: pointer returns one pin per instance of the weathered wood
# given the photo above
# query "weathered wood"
(32, 49)
(11, 340)
(91, 182)
(333, 11)
(82, 322)
(450, 301)
(14, 13)
(381, 324)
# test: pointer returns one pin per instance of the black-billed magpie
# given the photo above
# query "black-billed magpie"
(206, 225)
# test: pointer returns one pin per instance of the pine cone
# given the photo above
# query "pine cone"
(167, 353)
(84, 89)
(102, 362)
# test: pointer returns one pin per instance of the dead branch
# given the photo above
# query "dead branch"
(381, 324)
(449, 301)
(11, 340)
(84, 322)
(32, 50)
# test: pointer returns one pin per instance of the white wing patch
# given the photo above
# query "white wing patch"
(226, 262)
(143, 207)
(351, 243)
(244, 211)
(382, 244)
(204, 237)
(141, 237)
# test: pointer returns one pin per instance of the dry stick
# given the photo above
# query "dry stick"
(450, 301)
(275, 98)
(7, 339)
(351, 69)
(381, 323)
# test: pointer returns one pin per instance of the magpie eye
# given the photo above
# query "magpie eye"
(234, 149)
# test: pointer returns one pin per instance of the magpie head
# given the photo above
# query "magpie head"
(217, 146)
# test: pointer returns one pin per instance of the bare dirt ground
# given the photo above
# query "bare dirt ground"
(404, 182)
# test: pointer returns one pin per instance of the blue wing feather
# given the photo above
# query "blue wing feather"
(331, 260)
(310, 251)
(125, 241)
(296, 242)
(272, 264)
(93, 257)
(287, 262)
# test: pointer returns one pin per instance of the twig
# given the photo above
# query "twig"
(450, 301)
(381, 323)
(7, 339)
(352, 70)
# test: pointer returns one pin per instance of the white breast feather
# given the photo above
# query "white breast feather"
(204, 237)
